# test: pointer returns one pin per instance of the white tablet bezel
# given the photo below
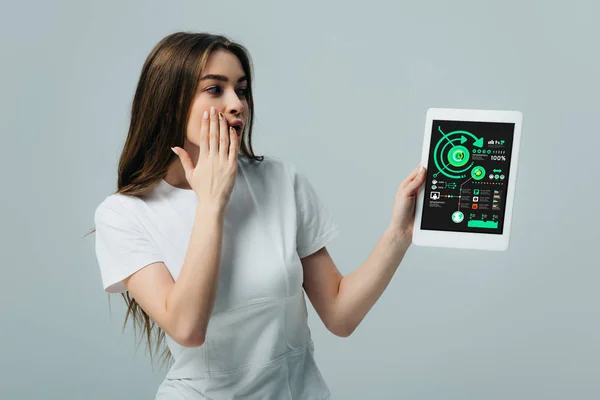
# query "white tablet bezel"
(469, 240)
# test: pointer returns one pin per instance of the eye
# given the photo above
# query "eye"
(214, 89)
(243, 91)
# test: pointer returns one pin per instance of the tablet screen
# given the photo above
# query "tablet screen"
(467, 176)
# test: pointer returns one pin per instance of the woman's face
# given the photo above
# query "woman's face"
(223, 86)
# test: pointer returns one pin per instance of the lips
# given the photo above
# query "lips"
(238, 126)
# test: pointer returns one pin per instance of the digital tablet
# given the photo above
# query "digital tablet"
(467, 198)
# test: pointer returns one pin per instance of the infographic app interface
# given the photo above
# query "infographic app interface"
(467, 176)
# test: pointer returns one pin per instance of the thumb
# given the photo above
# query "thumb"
(413, 186)
(185, 159)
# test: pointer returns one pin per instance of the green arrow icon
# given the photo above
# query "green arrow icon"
(478, 141)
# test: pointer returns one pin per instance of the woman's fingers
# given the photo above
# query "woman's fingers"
(234, 146)
(217, 138)
(223, 138)
(412, 175)
(415, 180)
(204, 131)
(213, 141)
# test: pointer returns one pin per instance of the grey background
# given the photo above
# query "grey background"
(341, 91)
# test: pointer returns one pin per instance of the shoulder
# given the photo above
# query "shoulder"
(116, 206)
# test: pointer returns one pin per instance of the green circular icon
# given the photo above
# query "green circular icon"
(478, 173)
(458, 217)
(458, 156)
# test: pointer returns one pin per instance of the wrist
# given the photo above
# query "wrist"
(399, 237)
(210, 210)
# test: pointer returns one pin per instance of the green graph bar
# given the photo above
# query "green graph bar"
(483, 224)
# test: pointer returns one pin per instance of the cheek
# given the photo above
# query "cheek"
(193, 130)
(195, 122)
(246, 112)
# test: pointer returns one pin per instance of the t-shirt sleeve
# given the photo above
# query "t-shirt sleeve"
(122, 247)
(315, 224)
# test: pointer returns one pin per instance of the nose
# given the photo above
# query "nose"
(233, 103)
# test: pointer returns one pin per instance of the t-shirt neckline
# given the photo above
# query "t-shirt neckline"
(166, 187)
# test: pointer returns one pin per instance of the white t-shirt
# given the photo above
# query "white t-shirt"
(258, 344)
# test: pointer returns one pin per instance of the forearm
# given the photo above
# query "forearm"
(192, 298)
(361, 289)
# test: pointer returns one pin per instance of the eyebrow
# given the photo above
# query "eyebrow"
(220, 78)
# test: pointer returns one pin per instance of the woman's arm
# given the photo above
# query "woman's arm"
(183, 308)
(342, 302)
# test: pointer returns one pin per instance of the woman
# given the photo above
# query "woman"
(213, 247)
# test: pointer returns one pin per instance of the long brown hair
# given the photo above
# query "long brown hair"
(159, 115)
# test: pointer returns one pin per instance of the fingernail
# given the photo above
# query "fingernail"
(174, 150)
(231, 130)
(221, 116)
(205, 114)
(420, 167)
(212, 111)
